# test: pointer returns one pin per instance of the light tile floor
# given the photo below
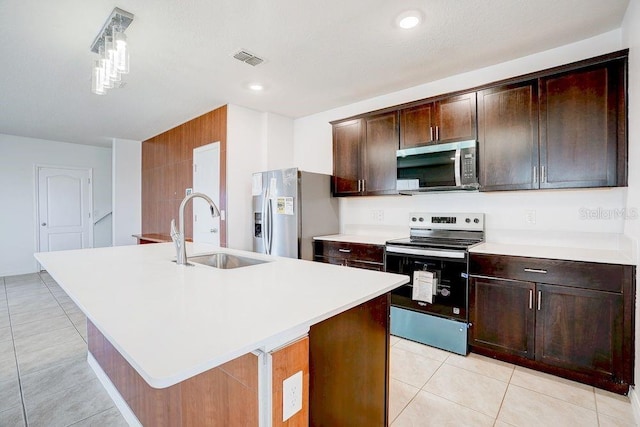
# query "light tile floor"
(431, 387)
(45, 379)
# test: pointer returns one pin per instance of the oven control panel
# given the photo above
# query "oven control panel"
(447, 221)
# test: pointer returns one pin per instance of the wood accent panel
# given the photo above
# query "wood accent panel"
(167, 169)
(349, 367)
(226, 395)
(285, 362)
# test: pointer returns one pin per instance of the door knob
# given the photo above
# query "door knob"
(213, 230)
(44, 224)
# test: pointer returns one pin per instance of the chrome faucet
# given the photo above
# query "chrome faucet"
(178, 235)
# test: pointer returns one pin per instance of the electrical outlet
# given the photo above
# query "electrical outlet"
(530, 216)
(291, 395)
(377, 215)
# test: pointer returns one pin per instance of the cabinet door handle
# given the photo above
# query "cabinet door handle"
(535, 270)
(535, 174)
(543, 174)
(364, 185)
(530, 299)
(437, 134)
(359, 185)
(345, 251)
(431, 133)
(539, 299)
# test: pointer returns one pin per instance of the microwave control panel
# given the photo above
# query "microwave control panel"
(469, 167)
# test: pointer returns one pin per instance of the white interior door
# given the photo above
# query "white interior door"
(206, 179)
(64, 209)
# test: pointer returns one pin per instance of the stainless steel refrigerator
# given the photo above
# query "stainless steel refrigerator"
(290, 207)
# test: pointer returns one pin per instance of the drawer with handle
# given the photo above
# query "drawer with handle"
(352, 251)
(588, 275)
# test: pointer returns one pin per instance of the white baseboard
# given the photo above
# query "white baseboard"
(634, 397)
(120, 403)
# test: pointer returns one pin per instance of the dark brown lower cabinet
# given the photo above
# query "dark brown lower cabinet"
(358, 255)
(349, 367)
(501, 319)
(581, 328)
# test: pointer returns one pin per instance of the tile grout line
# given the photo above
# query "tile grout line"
(63, 309)
(504, 396)
(15, 356)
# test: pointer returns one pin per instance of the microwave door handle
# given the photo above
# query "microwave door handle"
(457, 166)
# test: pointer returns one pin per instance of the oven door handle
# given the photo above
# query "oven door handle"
(426, 252)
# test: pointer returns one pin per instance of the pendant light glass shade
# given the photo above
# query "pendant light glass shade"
(104, 70)
(122, 51)
(109, 55)
(97, 86)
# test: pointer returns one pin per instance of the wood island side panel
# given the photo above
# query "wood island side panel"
(287, 361)
(226, 395)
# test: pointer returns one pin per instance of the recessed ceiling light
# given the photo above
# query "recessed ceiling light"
(256, 87)
(409, 19)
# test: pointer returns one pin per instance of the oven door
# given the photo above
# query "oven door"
(450, 268)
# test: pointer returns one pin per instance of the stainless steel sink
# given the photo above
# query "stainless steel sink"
(225, 261)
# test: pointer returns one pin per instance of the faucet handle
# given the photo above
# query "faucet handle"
(175, 235)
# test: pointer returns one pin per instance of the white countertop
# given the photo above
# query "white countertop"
(357, 238)
(173, 322)
(609, 256)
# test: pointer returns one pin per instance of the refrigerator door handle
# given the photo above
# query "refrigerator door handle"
(270, 222)
(265, 222)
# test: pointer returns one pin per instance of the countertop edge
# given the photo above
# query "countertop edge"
(603, 256)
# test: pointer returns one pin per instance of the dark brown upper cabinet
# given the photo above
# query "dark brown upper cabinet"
(582, 127)
(563, 127)
(445, 120)
(562, 130)
(364, 155)
(347, 148)
(508, 136)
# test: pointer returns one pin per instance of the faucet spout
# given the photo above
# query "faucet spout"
(178, 235)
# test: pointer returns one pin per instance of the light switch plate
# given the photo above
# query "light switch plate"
(291, 395)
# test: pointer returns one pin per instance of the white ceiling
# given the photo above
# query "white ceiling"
(319, 55)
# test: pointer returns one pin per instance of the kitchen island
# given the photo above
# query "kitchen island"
(177, 342)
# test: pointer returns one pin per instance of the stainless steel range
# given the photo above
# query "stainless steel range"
(433, 307)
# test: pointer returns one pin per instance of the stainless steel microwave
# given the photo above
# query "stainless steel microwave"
(438, 167)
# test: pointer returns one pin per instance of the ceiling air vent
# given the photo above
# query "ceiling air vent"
(249, 58)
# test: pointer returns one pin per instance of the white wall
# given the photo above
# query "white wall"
(279, 140)
(256, 141)
(631, 39)
(18, 156)
(555, 210)
(126, 198)
(246, 154)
